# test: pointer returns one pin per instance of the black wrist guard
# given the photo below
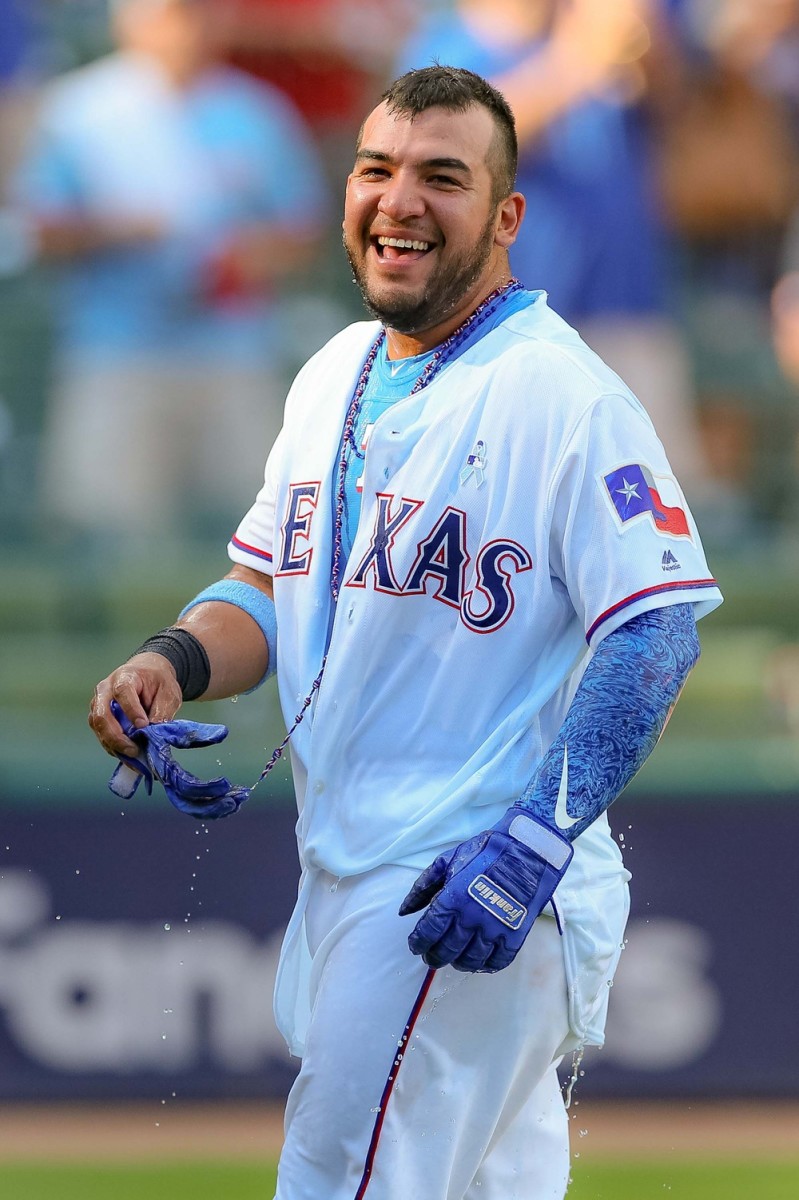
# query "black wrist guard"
(186, 654)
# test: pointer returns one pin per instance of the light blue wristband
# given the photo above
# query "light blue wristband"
(252, 601)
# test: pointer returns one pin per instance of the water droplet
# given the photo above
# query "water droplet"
(167, 926)
(77, 870)
(234, 699)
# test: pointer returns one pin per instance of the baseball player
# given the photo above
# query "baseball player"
(478, 582)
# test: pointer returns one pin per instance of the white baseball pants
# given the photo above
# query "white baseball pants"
(471, 1110)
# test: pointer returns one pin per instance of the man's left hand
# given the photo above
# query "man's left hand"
(483, 897)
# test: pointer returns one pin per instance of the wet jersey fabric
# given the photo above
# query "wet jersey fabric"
(513, 513)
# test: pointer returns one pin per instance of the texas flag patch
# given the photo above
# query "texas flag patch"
(634, 491)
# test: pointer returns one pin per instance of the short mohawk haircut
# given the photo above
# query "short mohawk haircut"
(457, 89)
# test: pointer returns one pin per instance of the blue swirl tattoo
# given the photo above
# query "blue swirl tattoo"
(618, 713)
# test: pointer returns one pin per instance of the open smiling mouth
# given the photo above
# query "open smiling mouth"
(392, 249)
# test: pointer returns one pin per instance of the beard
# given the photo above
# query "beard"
(442, 295)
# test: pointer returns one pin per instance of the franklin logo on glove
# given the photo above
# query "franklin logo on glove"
(478, 922)
(496, 901)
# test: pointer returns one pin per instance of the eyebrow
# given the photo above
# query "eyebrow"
(449, 164)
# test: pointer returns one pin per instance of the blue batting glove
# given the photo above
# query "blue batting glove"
(205, 800)
(484, 895)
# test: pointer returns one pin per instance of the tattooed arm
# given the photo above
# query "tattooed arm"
(615, 719)
(482, 898)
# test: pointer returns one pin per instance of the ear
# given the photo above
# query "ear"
(510, 214)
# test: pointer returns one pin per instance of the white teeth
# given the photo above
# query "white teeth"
(403, 243)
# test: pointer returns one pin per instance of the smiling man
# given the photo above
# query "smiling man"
(482, 627)
(430, 214)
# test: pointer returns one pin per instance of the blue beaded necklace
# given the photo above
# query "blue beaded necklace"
(434, 365)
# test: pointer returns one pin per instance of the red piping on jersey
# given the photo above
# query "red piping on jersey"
(651, 591)
(392, 1078)
(240, 545)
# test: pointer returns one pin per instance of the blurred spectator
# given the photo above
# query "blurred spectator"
(173, 194)
(729, 113)
(741, 33)
(730, 184)
(16, 52)
(14, 39)
(759, 39)
(579, 77)
(329, 56)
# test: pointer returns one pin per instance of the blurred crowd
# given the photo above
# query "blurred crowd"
(171, 175)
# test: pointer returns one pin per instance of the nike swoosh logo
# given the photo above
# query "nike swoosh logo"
(562, 818)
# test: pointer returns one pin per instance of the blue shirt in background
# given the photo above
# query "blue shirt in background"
(115, 140)
(591, 236)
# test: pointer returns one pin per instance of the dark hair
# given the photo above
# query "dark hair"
(457, 89)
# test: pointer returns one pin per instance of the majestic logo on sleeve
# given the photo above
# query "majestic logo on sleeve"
(635, 493)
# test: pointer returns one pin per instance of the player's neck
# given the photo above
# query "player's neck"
(409, 345)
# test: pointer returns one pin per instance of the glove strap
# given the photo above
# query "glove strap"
(539, 838)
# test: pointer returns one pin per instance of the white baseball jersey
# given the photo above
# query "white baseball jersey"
(515, 511)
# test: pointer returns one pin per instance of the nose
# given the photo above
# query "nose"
(401, 198)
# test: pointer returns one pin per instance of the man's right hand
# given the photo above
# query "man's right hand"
(146, 688)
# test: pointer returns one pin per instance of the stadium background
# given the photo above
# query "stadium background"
(137, 949)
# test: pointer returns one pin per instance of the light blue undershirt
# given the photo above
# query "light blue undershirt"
(393, 380)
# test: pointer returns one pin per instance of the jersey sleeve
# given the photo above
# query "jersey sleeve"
(252, 545)
(622, 538)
